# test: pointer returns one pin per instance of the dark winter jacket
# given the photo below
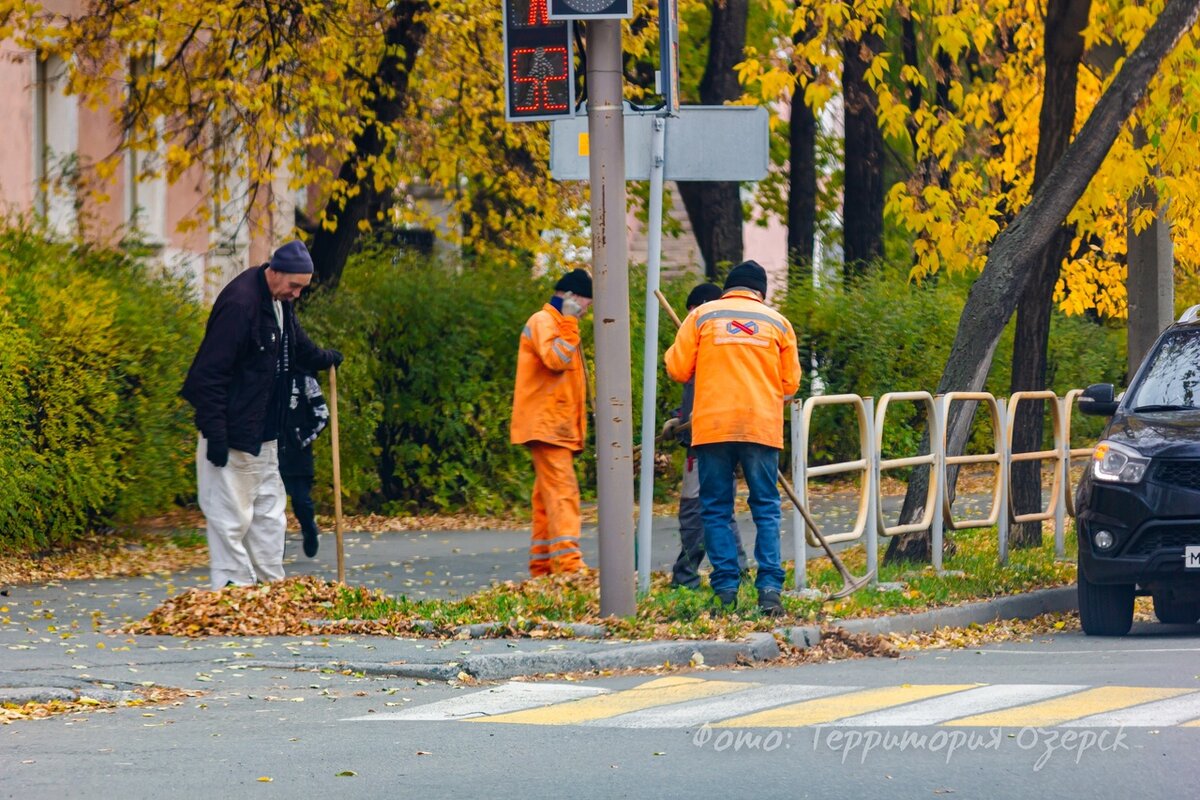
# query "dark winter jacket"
(230, 380)
(305, 416)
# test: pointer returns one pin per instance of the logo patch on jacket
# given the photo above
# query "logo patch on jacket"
(743, 333)
(733, 327)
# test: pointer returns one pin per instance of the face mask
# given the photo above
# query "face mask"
(571, 306)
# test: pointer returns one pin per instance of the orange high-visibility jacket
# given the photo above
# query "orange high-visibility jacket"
(743, 356)
(548, 404)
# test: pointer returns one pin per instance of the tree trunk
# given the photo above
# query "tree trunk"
(1149, 275)
(715, 208)
(1063, 47)
(1015, 251)
(862, 193)
(331, 249)
(908, 46)
(802, 183)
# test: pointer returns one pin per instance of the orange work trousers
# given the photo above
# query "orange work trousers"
(555, 543)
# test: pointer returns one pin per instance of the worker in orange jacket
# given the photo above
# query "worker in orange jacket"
(742, 355)
(549, 418)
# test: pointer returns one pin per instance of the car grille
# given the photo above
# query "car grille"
(1185, 474)
(1156, 539)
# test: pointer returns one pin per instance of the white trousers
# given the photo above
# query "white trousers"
(243, 503)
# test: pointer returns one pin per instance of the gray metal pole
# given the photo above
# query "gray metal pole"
(800, 482)
(650, 354)
(610, 254)
(872, 490)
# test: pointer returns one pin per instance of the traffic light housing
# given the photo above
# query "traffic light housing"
(539, 63)
(591, 9)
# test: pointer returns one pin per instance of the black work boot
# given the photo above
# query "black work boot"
(310, 538)
(770, 603)
(725, 601)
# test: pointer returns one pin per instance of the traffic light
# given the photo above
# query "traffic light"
(539, 81)
(591, 9)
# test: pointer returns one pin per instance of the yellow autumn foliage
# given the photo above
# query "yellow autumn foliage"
(983, 140)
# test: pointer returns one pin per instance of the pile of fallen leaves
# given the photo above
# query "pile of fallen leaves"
(147, 696)
(974, 635)
(105, 556)
(529, 609)
(536, 608)
(271, 609)
(839, 645)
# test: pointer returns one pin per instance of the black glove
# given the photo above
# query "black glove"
(336, 358)
(218, 453)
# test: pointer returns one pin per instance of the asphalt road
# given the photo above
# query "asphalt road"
(1066, 716)
(261, 718)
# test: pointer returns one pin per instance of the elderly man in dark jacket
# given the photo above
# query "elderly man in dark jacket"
(239, 384)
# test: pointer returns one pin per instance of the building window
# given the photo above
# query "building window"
(145, 182)
(55, 145)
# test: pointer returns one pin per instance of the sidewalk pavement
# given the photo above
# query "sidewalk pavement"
(55, 644)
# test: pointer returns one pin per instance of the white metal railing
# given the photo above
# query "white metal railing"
(938, 509)
(801, 424)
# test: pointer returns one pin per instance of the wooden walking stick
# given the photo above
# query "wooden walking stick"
(850, 584)
(337, 474)
(662, 301)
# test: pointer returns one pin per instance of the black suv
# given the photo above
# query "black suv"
(1139, 501)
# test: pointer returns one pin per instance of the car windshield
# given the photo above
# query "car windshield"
(1171, 381)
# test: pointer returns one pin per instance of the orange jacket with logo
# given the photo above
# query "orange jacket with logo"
(548, 404)
(743, 356)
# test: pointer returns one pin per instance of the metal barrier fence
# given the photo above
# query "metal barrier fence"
(938, 512)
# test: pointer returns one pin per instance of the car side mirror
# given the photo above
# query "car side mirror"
(1099, 400)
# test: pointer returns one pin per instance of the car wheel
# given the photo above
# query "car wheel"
(1175, 612)
(1105, 610)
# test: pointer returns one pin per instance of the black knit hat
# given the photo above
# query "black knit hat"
(749, 275)
(292, 257)
(704, 293)
(577, 281)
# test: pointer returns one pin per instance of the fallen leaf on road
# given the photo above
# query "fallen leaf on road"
(347, 773)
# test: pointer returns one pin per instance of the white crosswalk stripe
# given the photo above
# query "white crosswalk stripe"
(1161, 713)
(489, 702)
(959, 704)
(677, 702)
(699, 712)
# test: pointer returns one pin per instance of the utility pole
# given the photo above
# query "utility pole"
(610, 276)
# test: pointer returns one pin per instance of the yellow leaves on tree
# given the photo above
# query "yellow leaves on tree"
(257, 92)
(972, 139)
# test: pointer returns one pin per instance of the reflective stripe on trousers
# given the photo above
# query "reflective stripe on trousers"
(243, 504)
(554, 546)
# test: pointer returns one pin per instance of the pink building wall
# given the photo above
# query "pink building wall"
(16, 146)
(105, 213)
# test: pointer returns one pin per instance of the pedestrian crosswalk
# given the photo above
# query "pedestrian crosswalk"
(686, 702)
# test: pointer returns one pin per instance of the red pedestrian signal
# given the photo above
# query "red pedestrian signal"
(539, 81)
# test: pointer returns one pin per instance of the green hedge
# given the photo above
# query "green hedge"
(425, 393)
(93, 350)
(426, 389)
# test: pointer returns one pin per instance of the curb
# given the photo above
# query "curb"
(486, 630)
(47, 694)
(1022, 606)
(502, 666)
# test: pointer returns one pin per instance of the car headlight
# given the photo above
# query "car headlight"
(1118, 464)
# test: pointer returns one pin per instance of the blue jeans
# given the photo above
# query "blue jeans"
(760, 465)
